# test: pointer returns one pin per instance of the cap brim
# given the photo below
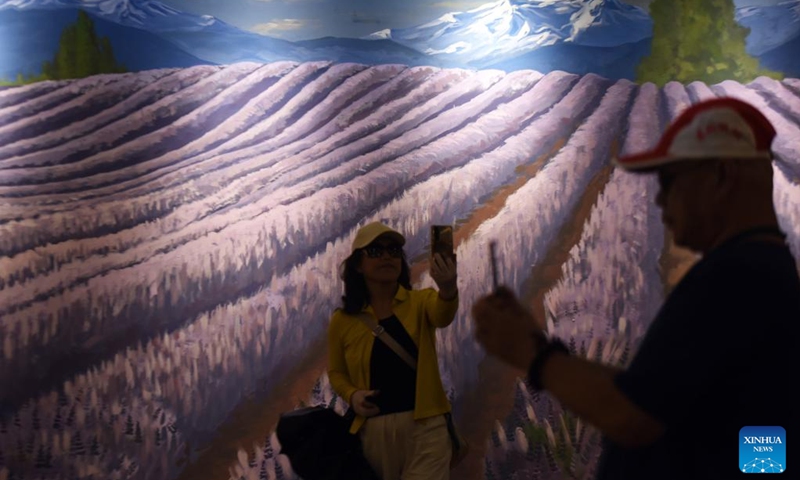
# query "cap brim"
(395, 235)
(649, 162)
(645, 162)
(388, 233)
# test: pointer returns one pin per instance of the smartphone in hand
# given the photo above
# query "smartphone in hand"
(493, 261)
(442, 240)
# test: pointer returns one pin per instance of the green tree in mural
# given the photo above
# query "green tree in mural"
(81, 53)
(698, 41)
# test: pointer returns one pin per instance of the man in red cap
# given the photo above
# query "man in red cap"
(709, 374)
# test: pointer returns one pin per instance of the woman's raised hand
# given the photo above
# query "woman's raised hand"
(444, 271)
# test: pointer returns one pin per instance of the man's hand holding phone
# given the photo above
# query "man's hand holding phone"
(505, 328)
(493, 263)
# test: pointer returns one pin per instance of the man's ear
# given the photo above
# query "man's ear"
(724, 178)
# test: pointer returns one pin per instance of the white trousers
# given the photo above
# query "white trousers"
(400, 448)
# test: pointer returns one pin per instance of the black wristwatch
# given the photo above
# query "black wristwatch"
(544, 348)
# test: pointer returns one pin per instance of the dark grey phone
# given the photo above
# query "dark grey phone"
(493, 260)
(442, 240)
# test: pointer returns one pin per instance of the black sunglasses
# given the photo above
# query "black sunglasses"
(376, 251)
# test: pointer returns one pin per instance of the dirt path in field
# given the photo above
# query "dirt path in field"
(493, 397)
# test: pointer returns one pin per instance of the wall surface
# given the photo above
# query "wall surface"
(179, 182)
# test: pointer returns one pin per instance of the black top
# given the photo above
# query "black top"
(721, 354)
(388, 373)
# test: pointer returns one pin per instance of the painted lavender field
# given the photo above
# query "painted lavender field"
(169, 242)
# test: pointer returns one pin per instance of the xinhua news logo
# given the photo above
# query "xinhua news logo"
(762, 450)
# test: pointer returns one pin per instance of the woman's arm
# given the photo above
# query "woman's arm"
(440, 312)
(337, 366)
(442, 307)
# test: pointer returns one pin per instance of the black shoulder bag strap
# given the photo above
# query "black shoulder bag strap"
(381, 334)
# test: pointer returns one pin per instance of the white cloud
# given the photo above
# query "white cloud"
(279, 26)
(460, 6)
(289, 1)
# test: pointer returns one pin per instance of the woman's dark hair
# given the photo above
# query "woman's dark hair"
(356, 295)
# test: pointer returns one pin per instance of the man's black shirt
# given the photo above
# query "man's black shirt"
(720, 355)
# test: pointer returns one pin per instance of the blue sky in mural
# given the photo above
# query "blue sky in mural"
(308, 19)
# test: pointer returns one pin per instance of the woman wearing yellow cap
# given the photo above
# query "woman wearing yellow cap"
(399, 401)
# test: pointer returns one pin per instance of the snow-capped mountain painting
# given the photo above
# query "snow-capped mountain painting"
(129, 43)
(605, 37)
(772, 24)
(180, 181)
(774, 33)
(143, 14)
(498, 31)
(153, 35)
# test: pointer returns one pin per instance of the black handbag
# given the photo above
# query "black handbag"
(319, 445)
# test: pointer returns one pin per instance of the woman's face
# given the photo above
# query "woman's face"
(381, 261)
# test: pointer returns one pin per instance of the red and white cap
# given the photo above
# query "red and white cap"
(718, 128)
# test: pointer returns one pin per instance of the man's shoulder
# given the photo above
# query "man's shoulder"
(740, 283)
(733, 283)
(747, 251)
(751, 262)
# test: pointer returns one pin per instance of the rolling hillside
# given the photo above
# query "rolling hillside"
(169, 239)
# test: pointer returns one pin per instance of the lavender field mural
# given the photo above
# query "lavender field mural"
(209, 258)
(172, 218)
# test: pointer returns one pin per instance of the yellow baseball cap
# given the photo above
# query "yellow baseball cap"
(369, 232)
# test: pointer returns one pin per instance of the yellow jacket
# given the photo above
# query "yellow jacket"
(350, 349)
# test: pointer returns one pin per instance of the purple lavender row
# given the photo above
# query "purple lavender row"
(182, 274)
